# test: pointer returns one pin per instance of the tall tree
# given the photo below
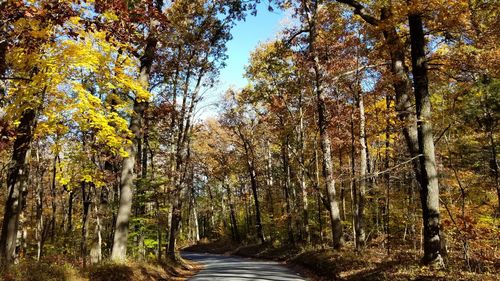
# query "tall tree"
(429, 187)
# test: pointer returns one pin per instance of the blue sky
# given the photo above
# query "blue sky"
(246, 36)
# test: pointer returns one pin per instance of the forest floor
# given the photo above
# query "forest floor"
(59, 269)
(320, 263)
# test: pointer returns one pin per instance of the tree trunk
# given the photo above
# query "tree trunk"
(53, 193)
(354, 200)
(254, 185)
(15, 179)
(360, 228)
(232, 212)
(175, 225)
(196, 225)
(85, 221)
(119, 251)
(317, 185)
(96, 247)
(429, 189)
(303, 186)
(71, 195)
(310, 11)
(270, 180)
(39, 213)
(402, 88)
(286, 188)
(342, 188)
(333, 207)
(387, 175)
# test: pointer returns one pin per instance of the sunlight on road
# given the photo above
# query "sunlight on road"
(229, 268)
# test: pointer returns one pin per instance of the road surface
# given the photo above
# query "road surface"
(230, 268)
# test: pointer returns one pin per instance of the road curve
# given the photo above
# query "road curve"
(230, 268)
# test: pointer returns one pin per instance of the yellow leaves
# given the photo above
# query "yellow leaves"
(110, 16)
(78, 55)
(41, 33)
(63, 180)
(123, 153)
(74, 20)
(125, 82)
(87, 178)
(110, 128)
(33, 27)
(63, 68)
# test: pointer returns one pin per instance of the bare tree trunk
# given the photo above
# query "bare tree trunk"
(328, 165)
(319, 197)
(85, 221)
(119, 251)
(387, 175)
(270, 180)
(342, 188)
(232, 211)
(179, 195)
(360, 228)
(333, 207)
(302, 179)
(96, 247)
(354, 200)
(39, 234)
(196, 225)
(253, 183)
(53, 193)
(286, 188)
(22, 235)
(328, 170)
(254, 186)
(71, 195)
(16, 176)
(158, 226)
(429, 189)
(175, 224)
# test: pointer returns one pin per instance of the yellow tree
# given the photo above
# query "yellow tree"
(48, 65)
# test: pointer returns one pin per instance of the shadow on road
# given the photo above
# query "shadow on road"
(218, 267)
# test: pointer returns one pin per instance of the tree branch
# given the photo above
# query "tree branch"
(14, 78)
(359, 10)
(290, 39)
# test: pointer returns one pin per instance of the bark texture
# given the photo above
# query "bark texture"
(119, 251)
(17, 174)
(429, 189)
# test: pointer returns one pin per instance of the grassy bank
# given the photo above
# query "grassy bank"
(62, 270)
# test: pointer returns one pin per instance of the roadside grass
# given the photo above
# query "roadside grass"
(47, 270)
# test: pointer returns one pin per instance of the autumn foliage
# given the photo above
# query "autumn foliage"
(367, 133)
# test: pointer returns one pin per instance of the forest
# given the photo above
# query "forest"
(364, 145)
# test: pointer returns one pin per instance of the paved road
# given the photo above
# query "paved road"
(230, 268)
